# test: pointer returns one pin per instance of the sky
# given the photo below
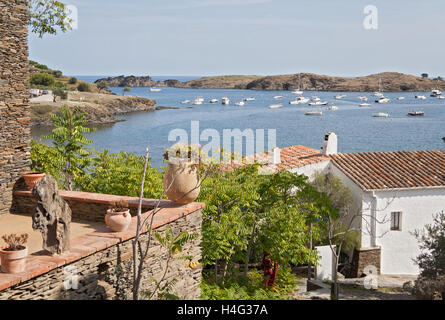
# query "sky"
(254, 37)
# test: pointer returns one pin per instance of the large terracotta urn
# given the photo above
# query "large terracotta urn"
(13, 261)
(118, 221)
(31, 178)
(181, 182)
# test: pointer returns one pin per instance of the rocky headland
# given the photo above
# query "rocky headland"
(391, 81)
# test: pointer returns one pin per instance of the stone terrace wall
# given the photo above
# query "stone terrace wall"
(15, 118)
(107, 274)
(362, 258)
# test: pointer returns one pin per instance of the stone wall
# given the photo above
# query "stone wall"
(107, 274)
(14, 108)
(362, 258)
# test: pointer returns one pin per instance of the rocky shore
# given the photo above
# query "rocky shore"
(102, 109)
(391, 81)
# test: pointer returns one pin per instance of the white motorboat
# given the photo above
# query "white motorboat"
(197, 101)
(380, 115)
(278, 97)
(240, 103)
(249, 99)
(315, 99)
(225, 100)
(440, 97)
(363, 98)
(297, 92)
(275, 106)
(185, 101)
(364, 105)
(435, 93)
(318, 103)
(382, 100)
(299, 100)
(340, 96)
(314, 113)
(155, 89)
(401, 98)
(214, 101)
(421, 97)
(332, 108)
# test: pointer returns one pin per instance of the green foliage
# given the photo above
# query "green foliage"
(102, 85)
(46, 16)
(72, 80)
(431, 260)
(290, 204)
(38, 65)
(42, 79)
(250, 287)
(57, 73)
(126, 89)
(69, 142)
(58, 92)
(46, 159)
(84, 87)
(119, 174)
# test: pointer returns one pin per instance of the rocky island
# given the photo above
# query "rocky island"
(391, 81)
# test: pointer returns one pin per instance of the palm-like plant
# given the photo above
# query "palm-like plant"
(69, 141)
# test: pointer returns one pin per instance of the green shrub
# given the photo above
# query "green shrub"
(60, 93)
(84, 87)
(42, 79)
(59, 84)
(57, 73)
(250, 287)
(72, 80)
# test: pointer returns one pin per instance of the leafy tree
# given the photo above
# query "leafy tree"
(431, 261)
(46, 16)
(69, 142)
(84, 87)
(72, 80)
(424, 75)
(102, 85)
(42, 79)
(57, 73)
(58, 92)
(126, 89)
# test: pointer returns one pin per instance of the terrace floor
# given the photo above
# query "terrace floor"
(19, 224)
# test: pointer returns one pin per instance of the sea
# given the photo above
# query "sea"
(356, 128)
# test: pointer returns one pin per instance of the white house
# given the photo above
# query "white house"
(395, 192)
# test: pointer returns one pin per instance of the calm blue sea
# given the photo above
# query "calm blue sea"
(357, 130)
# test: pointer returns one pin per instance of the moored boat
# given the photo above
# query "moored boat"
(416, 113)
(225, 100)
(155, 89)
(380, 115)
(314, 113)
(364, 105)
(318, 103)
(275, 106)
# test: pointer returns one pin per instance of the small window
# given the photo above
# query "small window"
(396, 221)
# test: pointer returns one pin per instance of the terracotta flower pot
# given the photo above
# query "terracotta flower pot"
(181, 182)
(13, 261)
(31, 178)
(118, 221)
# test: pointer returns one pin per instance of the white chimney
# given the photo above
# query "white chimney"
(330, 144)
(276, 154)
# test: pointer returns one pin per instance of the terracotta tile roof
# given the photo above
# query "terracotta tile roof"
(291, 158)
(391, 170)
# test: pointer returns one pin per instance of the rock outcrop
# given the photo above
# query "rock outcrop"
(391, 81)
(52, 216)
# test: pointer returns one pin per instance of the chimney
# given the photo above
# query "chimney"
(330, 144)
(276, 154)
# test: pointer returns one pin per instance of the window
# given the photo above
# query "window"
(396, 221)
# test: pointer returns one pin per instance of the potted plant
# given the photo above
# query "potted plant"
(181, 178)
(118, 216)
(31, 178)
(13, 256)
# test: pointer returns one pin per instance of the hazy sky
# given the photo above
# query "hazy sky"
(212, 37)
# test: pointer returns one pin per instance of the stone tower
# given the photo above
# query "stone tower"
(15, 132)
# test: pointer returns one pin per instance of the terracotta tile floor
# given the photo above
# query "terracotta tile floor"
(14, 223)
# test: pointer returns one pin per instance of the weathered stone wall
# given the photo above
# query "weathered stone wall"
(362, 258)
(107, 274)
(15, 118)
